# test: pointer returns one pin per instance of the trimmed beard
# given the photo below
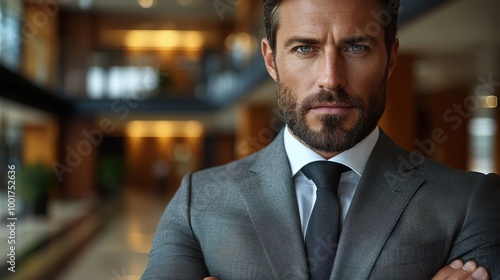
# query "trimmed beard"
(332, 137)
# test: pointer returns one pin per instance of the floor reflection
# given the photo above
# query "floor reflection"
(120, 251)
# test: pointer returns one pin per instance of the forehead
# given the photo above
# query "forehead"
(322, 15)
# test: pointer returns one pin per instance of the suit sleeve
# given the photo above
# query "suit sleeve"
(479, 238)
(176, 253)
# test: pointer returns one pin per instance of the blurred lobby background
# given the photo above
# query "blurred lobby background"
(106, 104)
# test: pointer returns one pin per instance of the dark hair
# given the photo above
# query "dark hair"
(390, 10)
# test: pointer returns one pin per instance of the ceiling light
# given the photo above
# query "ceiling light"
(164, 39)
(146, 4)
(188, 129)
(491, 101)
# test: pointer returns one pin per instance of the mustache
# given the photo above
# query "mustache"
(332, 96)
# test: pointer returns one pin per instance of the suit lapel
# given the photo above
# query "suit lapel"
(271, 203)
(380, 199)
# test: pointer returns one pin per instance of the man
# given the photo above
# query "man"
(249, 219)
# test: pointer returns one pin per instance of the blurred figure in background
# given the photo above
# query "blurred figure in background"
(160, 173)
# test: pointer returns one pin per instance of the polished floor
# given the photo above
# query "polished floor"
(120, 250)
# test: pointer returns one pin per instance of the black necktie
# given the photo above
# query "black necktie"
(323, 230)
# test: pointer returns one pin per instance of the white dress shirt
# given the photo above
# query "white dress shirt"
(299, 155)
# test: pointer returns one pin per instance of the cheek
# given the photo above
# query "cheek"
(297, 75)
(365, 78)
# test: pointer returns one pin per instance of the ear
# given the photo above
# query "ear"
(267, 53)
(393, 57)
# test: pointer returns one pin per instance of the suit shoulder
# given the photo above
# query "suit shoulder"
(446, 174)
(224, 173)
(271, 156)
(390, 154)
(427, 168)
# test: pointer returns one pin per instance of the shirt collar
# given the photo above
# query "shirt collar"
(355, 158)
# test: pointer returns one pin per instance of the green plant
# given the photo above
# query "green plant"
(111, 172)
(35, 182)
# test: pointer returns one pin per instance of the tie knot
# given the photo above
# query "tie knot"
(325, 174)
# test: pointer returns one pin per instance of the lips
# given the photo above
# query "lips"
(331, 108)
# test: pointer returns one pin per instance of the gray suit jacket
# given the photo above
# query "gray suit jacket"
(409, 217)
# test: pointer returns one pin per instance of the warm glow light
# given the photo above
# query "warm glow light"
(491, 101)
(164, 39)
(146, 4)
(165, 129)
(242, 43)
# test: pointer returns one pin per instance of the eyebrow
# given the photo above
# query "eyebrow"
(300, 40)
(359, 39)
(311, 41)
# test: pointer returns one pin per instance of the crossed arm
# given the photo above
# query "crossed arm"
(168, 259)
(457, 270)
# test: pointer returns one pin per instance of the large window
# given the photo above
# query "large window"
(10, 33)
(483, 139)
(121, 82)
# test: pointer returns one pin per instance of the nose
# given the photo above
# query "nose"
(332, 71)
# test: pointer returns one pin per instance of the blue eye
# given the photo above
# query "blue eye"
(304, 49)
(356, 48)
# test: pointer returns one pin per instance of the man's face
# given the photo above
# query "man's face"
(331, 67)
